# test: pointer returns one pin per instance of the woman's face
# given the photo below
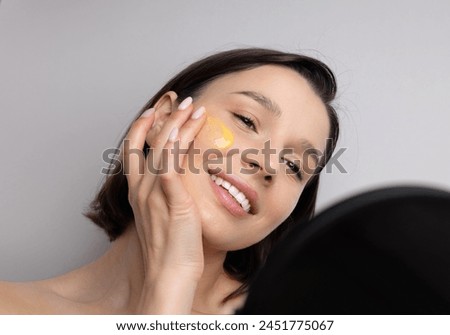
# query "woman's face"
(261, 124)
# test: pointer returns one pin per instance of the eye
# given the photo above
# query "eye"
(294, 168)
(247, 121)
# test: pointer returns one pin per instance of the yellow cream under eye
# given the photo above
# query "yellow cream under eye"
(218, 133)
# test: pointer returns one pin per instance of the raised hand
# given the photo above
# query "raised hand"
(166, 217)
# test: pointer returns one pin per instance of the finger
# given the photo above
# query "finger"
(133, 144)
(159, 141)
(173, 156)
(170, 178)
(176, 119)
(188, 132)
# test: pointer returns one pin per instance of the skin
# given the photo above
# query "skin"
(220, 136)
(189, 235)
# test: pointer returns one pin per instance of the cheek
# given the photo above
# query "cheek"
(284, 203)
(215, 134)
(277, 210)
(211, 144)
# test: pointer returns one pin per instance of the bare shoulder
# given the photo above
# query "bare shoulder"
(20, 298)
(10, 298)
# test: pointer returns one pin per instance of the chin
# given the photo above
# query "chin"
(221, 233)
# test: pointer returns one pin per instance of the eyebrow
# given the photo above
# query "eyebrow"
(264, 101)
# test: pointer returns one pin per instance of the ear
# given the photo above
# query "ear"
(164, 106)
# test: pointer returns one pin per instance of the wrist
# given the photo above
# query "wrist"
(189, 274)
(168, 294)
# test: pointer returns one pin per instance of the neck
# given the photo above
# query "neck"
(214, 284)
(113, 283)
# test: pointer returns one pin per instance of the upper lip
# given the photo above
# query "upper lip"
(242, 186)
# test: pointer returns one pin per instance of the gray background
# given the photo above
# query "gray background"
(74, 73)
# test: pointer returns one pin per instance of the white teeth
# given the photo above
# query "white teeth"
(226, 185)
(233, 191)
(239, 196)
(219, 181)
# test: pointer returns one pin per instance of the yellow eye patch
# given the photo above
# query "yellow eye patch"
(218, 133)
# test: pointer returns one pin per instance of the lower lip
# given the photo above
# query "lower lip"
(227, 200)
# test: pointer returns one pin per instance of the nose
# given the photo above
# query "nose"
(258, 163)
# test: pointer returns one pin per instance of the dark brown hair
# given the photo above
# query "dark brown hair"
(111, 210)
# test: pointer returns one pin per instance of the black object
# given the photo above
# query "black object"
(382, 252)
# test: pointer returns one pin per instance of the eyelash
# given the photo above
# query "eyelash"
(294, 168)
(249, 123)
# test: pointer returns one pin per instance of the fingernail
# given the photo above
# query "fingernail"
(198, 113)
(173, 134)
(185, 104)
(148, 112)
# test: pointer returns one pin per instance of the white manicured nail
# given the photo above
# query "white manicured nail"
(198, 113)
(173, 134)
(185, 103)
(148, 112)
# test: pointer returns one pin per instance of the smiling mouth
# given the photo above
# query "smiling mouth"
(237, 195)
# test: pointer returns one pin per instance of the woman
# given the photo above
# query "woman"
(213, 171)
